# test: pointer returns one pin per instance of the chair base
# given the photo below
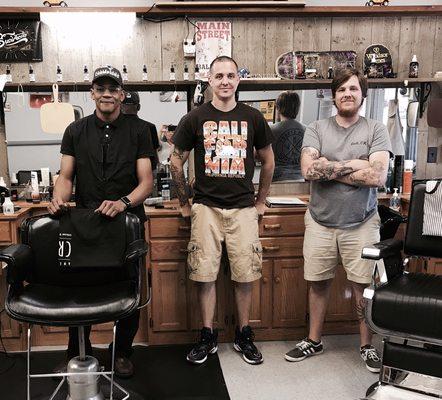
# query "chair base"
(389, 392)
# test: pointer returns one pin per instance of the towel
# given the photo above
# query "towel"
(432, 219)
(91, 240)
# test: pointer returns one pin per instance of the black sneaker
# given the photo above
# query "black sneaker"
(207, 345)
(244, 344)
(370, 355)
(305, 348)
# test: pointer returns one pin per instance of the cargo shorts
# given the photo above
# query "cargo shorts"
(238, 229)
(324, 246)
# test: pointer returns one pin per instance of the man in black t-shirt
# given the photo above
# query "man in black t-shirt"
(130, 107)
(223, 135)
(109, 157)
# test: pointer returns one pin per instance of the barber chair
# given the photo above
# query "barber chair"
(42, 293)
(406, 309)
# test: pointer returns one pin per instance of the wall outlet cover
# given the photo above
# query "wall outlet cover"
(189, 48)
(432, 155)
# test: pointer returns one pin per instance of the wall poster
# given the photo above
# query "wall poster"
(213, 39)
(20, 40)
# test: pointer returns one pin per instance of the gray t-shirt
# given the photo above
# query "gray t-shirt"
(335, 204)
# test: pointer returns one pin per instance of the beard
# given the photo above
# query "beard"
(348, 113)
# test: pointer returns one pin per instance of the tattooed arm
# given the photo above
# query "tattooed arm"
(373, 176)
(177, 160)
(314, 167)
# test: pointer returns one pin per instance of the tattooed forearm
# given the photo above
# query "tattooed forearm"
(324, 170)
(369, 177)
(177, 159)
(360, 310)
(178, 153)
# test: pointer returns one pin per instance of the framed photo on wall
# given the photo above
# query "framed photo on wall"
(267, 108)
(20, 40)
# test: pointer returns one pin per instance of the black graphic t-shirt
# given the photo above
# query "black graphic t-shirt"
(223, 143)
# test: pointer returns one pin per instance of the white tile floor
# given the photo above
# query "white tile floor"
(337, 374)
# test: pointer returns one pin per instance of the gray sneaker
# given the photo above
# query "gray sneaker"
(372, 359)
(305, 348)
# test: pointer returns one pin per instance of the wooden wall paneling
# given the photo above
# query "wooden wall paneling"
(45, 71)
(278, 40)
(248, 44)
(387, 31)
(4, 168)
(312, 34)
(437, 55)
(133, 52)
(417, 37)
(150, 44)
(352, 34)
(172, 35)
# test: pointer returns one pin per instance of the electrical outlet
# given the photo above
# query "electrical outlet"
(189, 48)
(432, 155)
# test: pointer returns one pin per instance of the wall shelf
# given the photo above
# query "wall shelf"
(257, 9)
(245, 85)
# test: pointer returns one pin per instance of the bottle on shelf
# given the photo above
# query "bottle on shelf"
(407, 176)
(186, 73)
(59, 74)
(414, 68)
(372, 68)
(124, 74)
(395, 201)
(8, 206)
(330, 72)
(172, 75)
(144, 76)
(31, 74)
(8, 74)
(85, 73)
(197, 72)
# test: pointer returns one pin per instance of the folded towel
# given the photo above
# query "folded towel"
(432, 219)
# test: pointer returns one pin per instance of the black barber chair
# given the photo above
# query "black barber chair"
(406, 308)
(41, 292)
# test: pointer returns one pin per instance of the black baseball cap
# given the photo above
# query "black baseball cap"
(132, 98)
(108, 72)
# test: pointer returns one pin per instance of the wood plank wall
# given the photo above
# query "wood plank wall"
(256, 42)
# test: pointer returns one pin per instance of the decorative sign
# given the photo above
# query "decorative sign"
(213, 39)
(20, 40)
(381, 54)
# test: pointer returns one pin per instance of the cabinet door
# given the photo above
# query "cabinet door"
(434, 266)
(289, 293)
(341, 306)
(169, 303)
(261, 310)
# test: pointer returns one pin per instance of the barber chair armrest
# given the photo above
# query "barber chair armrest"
(136, 249)
(384, 249)
(19, 259)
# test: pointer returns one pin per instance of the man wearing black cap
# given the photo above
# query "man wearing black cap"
(109, 156)
(130, 107)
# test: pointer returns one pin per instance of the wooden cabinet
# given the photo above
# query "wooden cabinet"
(278, 299)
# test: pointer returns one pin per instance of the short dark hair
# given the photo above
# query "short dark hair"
(288, 104)
(222, 59)
(343, 75)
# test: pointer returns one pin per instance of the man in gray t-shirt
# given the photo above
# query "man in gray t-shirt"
(346, 159)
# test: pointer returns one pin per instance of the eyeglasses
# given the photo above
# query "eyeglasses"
(113, 90)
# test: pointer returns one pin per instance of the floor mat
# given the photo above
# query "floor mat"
(161, 372)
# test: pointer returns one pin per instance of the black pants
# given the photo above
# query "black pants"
(126, 330)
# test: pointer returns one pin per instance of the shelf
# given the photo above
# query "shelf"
(256, 9)
(245, 85)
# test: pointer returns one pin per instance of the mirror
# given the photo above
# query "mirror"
(30, 149)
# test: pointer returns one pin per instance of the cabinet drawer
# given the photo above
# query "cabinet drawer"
(282, 225)
(169, 227)
(282, 247)
(168, 250)
(5, 232)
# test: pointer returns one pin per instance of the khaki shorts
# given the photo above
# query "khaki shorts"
(323, 246)
(238, 228)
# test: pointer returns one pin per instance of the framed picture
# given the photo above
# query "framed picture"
(20, 40)
(267, 107)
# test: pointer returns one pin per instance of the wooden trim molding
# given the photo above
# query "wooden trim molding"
(242, 9)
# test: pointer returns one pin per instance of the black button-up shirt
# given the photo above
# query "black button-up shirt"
(106, 155)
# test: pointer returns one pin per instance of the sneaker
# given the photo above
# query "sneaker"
(305, 348)
(244, 344)
(371, 357)
(207, 345)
